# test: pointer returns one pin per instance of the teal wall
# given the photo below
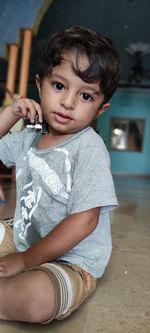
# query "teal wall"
(128, 104)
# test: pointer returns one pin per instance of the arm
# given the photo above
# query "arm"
(7, 120)
(21, 108)
(72, 230)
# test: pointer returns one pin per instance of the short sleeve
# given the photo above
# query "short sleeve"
(7, 149)
(12, 146)
(92, 184)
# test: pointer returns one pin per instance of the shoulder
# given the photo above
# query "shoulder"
(92, 143)
(90, 138)
(89, 150)
(25, 132)
(23, 138)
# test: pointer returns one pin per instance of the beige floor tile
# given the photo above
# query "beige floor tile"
(121, 303)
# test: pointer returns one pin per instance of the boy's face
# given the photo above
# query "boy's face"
(68, 103)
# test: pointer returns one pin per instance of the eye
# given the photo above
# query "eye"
(58, 85)
(86, 97)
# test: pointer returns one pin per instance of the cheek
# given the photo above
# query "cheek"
(90, 113)
(46, 99)
(85, 118)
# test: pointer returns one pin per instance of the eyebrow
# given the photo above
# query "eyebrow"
(95, 91)
(60, 77)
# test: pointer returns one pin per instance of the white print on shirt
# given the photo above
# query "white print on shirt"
(49, 176)
(31, 194)
(18, 173)
(67, 167)
(29, 203)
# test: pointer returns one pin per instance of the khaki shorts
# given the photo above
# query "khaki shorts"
(82, 283)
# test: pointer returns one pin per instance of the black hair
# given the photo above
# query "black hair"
(103, 58)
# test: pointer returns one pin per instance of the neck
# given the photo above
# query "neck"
(49, 140)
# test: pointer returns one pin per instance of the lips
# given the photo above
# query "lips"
(62, 118)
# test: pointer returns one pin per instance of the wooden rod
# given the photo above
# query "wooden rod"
(25, 61)
(11, 72)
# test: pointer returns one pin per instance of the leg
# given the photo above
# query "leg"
(75, 285)
(27, 297)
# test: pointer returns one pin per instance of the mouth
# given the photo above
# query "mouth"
(62, 118)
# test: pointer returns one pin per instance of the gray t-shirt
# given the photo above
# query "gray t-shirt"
(69, 178)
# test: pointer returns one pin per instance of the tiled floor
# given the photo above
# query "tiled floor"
(121, 303)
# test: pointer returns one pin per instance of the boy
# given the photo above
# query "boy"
(61, 227)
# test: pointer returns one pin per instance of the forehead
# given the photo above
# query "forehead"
(77, 59)
(74, 62)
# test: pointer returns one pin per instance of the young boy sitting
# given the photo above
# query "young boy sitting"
(61, 226)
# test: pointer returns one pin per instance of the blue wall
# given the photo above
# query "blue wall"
(128, 104)
(14, 15)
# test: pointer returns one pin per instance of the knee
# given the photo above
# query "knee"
(39, 308)
(41, 303)
(28, 297)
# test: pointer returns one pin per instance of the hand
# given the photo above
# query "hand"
(11, 265)
(28, 109)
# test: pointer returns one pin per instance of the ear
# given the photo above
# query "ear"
(103, 108)
(38, 84)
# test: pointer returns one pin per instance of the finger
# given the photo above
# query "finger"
(25, 107)
(38, 112)
(19, 107)
(31, 110)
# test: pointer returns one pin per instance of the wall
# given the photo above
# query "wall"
(118, 19)
(128, 104)
(18, 14)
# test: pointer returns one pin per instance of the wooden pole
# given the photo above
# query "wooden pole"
(25, 61)
(11, 72)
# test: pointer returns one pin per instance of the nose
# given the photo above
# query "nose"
(68, 100)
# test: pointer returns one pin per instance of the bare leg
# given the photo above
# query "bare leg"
(27, 297)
